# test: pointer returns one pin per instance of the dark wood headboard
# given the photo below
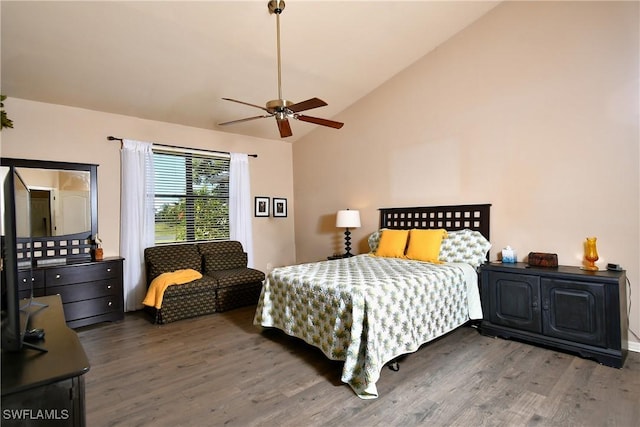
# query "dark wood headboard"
(458, 217)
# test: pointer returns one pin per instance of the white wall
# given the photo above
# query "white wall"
(55, 132)
(533, 108)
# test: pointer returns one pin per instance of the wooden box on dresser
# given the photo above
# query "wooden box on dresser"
(91, 291)
(565, 307)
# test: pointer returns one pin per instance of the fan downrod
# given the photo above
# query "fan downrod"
(276, 6)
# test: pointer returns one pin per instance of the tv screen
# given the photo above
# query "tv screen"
(15, 226)
(12, 328)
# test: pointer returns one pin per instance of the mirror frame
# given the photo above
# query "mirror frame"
(40, 251)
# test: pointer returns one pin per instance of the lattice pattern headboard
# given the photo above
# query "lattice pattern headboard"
(473, 217)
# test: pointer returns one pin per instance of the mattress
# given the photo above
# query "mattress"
(368, 310)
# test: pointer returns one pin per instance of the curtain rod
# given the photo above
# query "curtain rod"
(113, 138)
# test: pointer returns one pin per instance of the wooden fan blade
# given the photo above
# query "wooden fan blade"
(307, 105)
(246, 103)
(244, 120)
(318, 121)
(284, 127)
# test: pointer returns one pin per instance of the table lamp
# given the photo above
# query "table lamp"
(347, 219)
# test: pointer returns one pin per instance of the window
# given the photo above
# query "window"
(191, 201)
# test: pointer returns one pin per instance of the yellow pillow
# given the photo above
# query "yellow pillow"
(392, 243)
(424, 245)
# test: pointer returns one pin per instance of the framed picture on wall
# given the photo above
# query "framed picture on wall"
(262, 206)
(279, 207)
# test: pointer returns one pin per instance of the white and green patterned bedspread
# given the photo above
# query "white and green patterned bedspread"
(367, 310)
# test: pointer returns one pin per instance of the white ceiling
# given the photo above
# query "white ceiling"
(173, 61)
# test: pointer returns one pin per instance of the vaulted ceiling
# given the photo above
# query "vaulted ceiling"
(174, 61)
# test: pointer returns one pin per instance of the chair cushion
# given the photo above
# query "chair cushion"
(224, 261)
(205, 285)
(164, 259)
(237, 276)
(223, 246)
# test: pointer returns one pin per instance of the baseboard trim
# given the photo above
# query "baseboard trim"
(634, 346)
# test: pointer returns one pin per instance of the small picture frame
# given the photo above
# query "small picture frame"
(261, 206)
(279, 207)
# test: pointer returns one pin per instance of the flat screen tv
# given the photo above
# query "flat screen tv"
(15, 225)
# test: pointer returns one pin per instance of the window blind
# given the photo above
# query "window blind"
(191, 198)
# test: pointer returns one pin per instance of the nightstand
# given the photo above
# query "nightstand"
(564, 307)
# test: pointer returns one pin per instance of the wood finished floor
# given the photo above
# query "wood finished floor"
(221, 370)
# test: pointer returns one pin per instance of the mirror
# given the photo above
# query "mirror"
(61, 206)
(59, 202)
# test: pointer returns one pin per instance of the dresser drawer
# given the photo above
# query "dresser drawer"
(27, 277)
(81, 273)
(86, 290)
(92, 307)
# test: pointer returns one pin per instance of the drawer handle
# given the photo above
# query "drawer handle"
(57, 276)
(108, 286)
(110, 304)
(24, 280)
(108, 270)
(33, 279)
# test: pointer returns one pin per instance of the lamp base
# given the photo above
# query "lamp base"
(347, 243)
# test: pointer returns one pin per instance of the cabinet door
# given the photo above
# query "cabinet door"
(574, 311)
(515, 300)
(56, 404)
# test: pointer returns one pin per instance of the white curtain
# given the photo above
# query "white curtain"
(136, 217)
(240, 203)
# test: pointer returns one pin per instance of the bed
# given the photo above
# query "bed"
(368, 310)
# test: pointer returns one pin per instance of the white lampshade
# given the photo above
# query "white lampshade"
(348, 219)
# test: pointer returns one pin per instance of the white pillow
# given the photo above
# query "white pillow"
(374, 240)
(466, 245)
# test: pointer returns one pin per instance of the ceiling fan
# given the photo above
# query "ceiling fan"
(280, 108)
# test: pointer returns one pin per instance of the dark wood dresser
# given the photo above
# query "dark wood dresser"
(46, 389)
(566, 307)
(91, 291)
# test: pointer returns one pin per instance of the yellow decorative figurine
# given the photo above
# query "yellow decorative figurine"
(590, 254)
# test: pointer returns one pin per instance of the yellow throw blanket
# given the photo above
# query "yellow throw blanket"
(163, 281)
